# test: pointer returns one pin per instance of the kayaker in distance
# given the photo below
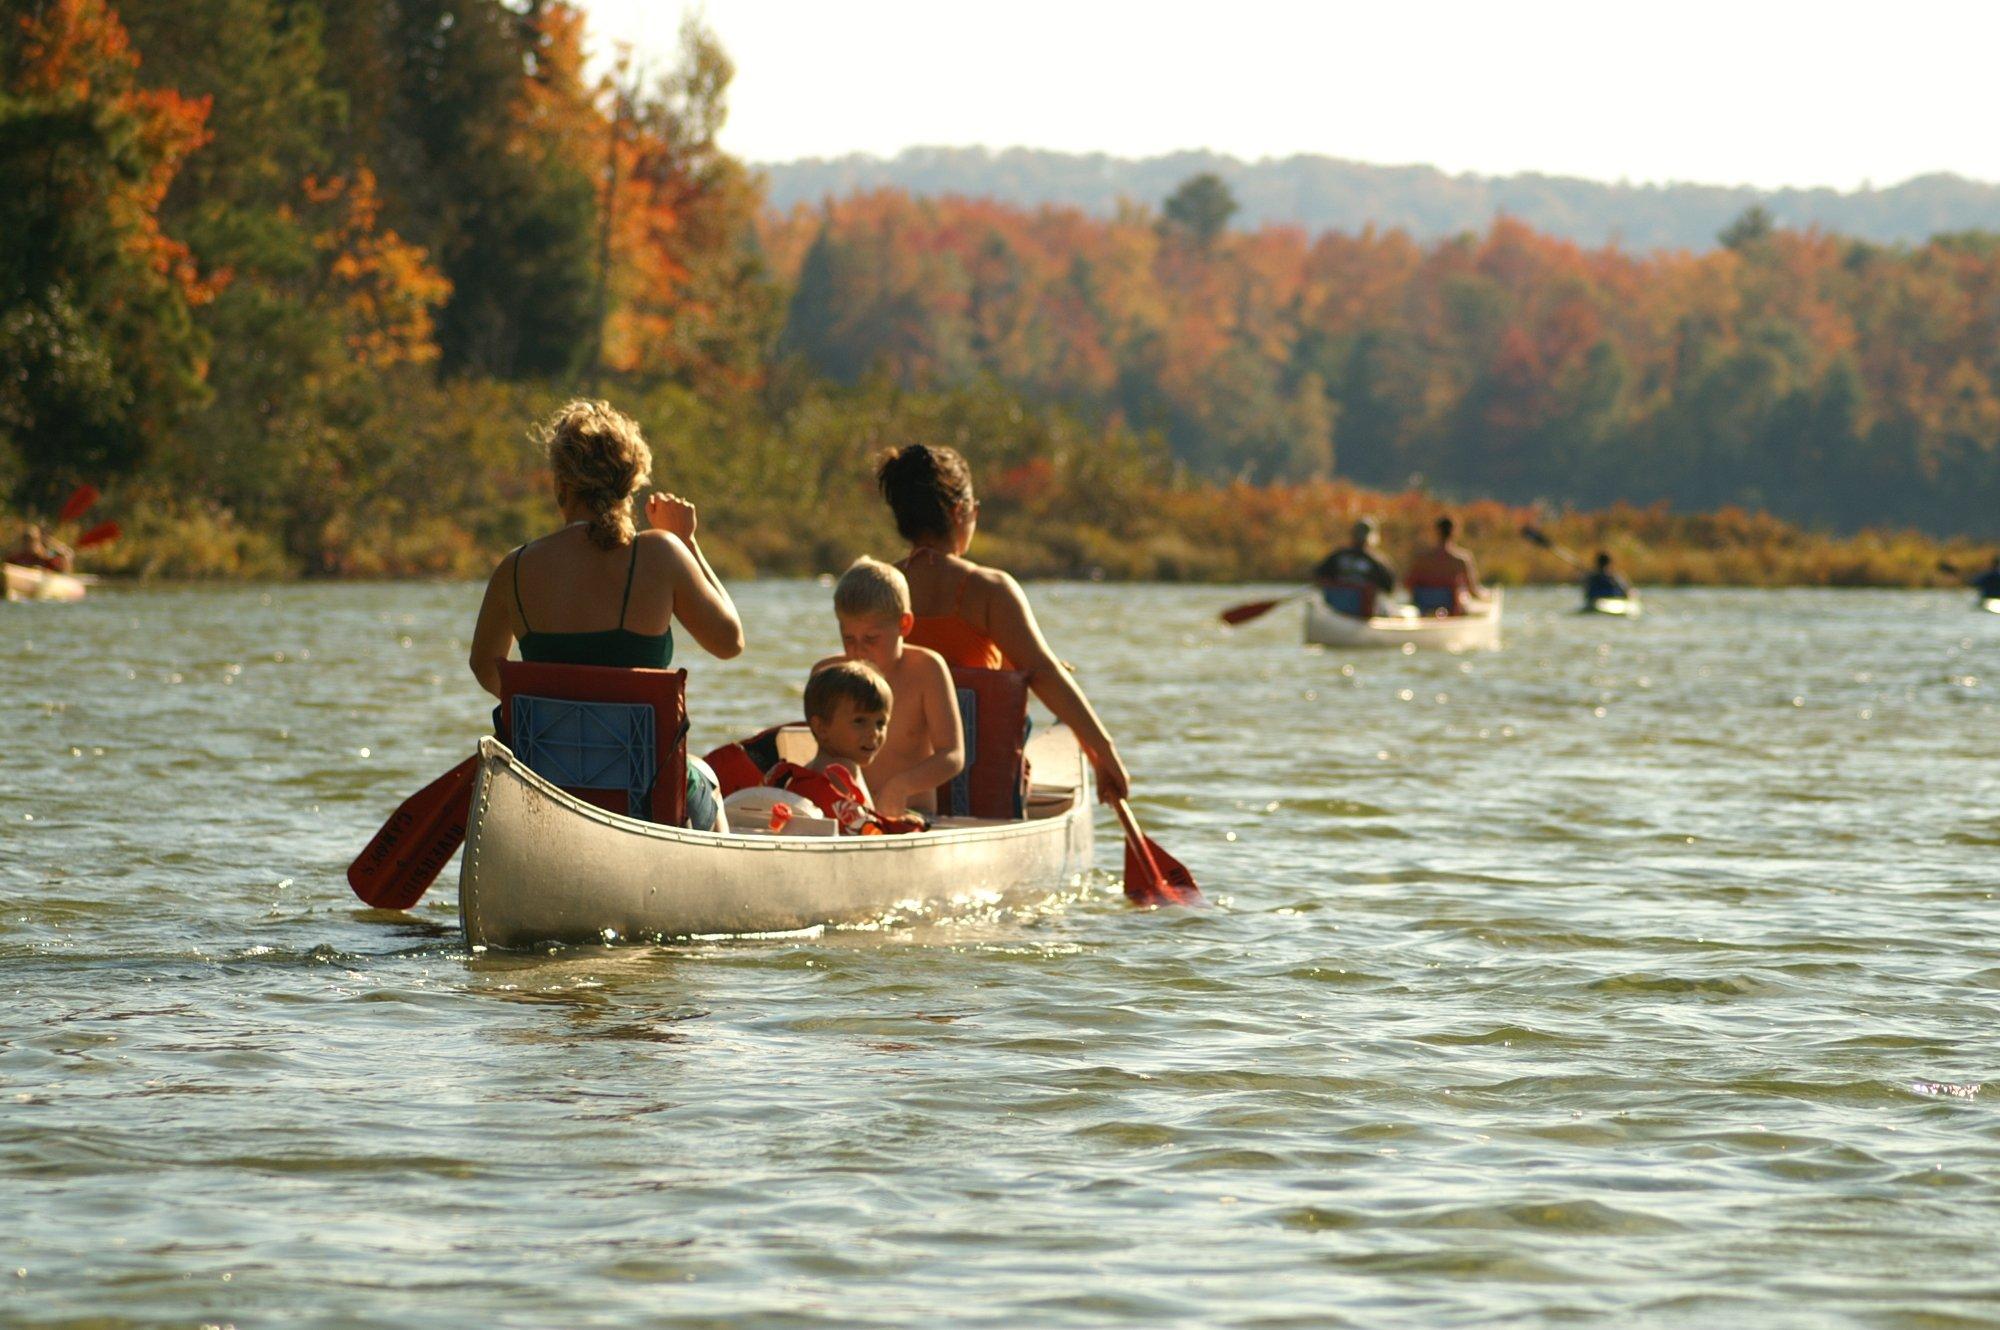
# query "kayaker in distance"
(36, 550)
(926, 742)
(595, 592)
(975, 616)
(1603, 584)
(1446, 572)
(1987, 584)
(1345, 575)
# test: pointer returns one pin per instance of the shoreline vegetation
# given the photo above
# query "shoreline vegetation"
(294, 280)
(1167, 533)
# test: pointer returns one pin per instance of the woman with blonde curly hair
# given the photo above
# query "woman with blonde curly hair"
(595, 591)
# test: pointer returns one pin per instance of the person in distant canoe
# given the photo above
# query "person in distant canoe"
(974, 616)
(1603, 584)
(37, 550)
(1445, 567)
(1358, 564)
(1987, 584)
(597, 592)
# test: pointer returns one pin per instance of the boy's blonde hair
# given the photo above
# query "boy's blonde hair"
(855, 680)
(872, 588)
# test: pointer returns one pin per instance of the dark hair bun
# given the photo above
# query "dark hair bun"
(925, 486)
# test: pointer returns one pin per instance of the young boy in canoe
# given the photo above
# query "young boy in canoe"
(847, 708)
(925, 746)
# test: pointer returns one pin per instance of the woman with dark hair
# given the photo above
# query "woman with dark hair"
(974, 616)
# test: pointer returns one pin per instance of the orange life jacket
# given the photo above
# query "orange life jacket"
(835, 791)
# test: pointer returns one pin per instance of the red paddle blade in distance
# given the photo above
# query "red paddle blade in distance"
(1245, 613)
(101, 534)
(78, 503)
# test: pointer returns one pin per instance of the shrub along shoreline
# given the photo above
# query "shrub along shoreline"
(1228, 534)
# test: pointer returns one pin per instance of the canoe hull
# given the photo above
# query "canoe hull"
(1465, 632)
(542, 867)
(1613, 606)
(24, 583)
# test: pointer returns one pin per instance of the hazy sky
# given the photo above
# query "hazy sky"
(1764, 92)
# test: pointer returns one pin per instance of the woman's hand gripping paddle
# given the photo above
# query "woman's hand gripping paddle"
(416, 842)
(1257, 609)
(1152, 876)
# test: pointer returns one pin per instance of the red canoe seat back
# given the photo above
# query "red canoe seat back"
(613, 737)
(994, 707)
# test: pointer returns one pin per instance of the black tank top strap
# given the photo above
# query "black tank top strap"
(519, 608)
(630, 568)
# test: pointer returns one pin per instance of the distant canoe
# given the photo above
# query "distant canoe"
(1621, 607)
(1476, 630)
(542, 866)
(1990, 605)
(25, 583)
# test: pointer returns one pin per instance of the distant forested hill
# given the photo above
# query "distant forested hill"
(1326, 193)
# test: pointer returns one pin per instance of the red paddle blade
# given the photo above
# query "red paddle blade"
(101, 534)
(1157, 878)
(1256, 609)
(416, 842)
(78, 503)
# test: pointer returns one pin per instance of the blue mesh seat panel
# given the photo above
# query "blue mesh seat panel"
(589, 745)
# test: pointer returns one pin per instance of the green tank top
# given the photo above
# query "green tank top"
(618, 647)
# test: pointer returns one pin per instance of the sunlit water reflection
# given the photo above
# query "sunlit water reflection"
(1637, 973)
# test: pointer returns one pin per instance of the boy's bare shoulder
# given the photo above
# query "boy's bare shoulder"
(927, 659)
(819, 665)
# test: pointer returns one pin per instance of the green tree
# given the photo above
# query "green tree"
(1200, 208)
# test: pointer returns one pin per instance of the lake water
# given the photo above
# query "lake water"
(1637, 974)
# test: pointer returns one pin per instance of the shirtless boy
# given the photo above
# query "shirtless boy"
(926, 742)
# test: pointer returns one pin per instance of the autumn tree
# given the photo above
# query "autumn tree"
(99, 351)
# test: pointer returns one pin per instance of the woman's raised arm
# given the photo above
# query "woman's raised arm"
(701, 602)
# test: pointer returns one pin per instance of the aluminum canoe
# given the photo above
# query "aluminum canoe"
(544, 868)
(25, 583)
(1476, 631)
(1621, 607)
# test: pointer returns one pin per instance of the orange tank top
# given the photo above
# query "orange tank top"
(959, 642)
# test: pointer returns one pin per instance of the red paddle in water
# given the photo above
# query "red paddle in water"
(101, 534)
(416, 842)
(78, 503)
(1152, 876)
(1257, 609)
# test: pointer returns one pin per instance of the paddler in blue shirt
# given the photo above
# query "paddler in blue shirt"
(1353, 576)
(1605, 584)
